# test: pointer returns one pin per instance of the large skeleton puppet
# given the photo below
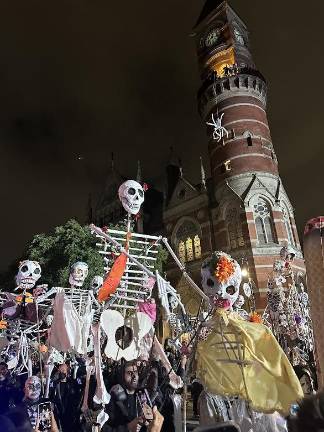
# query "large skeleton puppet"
(21, 318)
(21, 303)
(126, 293)
(241, 358)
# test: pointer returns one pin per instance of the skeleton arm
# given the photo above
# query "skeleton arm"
(183, 270)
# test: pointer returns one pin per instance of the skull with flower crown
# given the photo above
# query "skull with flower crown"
(221, 279)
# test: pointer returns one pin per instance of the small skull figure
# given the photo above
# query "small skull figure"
(173, 302)
(28, 274)
(221, 279)
(131, 195)
(96, 283)
(79, 272)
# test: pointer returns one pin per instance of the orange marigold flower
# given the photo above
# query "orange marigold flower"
(255, 317)
(224, 269)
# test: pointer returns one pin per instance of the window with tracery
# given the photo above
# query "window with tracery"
(188, 241)
(287, 222)
(263, 222)
(234, 228)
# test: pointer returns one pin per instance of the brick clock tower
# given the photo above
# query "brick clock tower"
(253, 217)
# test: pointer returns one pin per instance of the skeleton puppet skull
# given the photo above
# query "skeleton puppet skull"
(221, 279)
(131, 195)
(96, 283)
(28, 274)
(79, 272)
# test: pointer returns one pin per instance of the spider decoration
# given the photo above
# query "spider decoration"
(219, 130)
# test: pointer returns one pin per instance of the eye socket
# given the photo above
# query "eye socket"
(230, 290)
(131, 191)
(24, 268)
(37, 271)
(140, 193)
(95, 285)
(210, 282)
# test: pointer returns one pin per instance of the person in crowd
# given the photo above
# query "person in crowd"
(25, 415)
(309, 415)
(10, 393)
(196, 388)
(124, 410)
(66, 395)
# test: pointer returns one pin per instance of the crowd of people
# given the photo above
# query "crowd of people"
(22, 402)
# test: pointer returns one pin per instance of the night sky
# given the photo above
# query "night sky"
(81, 79)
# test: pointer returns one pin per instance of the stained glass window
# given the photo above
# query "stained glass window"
(197, 247)
(287, 222)
(263, 222)
(189, 249)
(182, 251)
(188, 241)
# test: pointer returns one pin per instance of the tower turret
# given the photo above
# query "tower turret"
(254, 217)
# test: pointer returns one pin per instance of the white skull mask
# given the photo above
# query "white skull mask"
(78, 274)
(96, 283)
(131, 195)
(221, 277)
(49, 320)
(173, 302)
(28, 274)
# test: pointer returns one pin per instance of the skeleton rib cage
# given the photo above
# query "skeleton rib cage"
(133, 288)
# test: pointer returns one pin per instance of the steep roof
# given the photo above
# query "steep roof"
(209, 6)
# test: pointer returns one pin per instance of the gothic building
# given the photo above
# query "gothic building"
(241, 207)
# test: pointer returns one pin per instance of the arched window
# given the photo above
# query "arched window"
(287, 222)
(234, 228)
(263, 222)
(187, 241)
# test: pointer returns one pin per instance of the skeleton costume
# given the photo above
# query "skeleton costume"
(70, 329)
(240, 358)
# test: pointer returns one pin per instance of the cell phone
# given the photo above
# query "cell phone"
(145, 403)
(45, 416)
(219, 427)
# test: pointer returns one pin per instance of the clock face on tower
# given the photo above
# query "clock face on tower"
(211, 38)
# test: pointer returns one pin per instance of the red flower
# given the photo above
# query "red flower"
(145, 187)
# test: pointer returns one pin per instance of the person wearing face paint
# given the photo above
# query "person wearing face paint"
(29, 406)
(65, 395)
(10, 393)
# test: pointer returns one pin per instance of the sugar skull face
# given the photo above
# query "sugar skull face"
(33, 388)
(28, 274)
(96, 283)
(78, 274)
(131, 195)
(221, 279)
